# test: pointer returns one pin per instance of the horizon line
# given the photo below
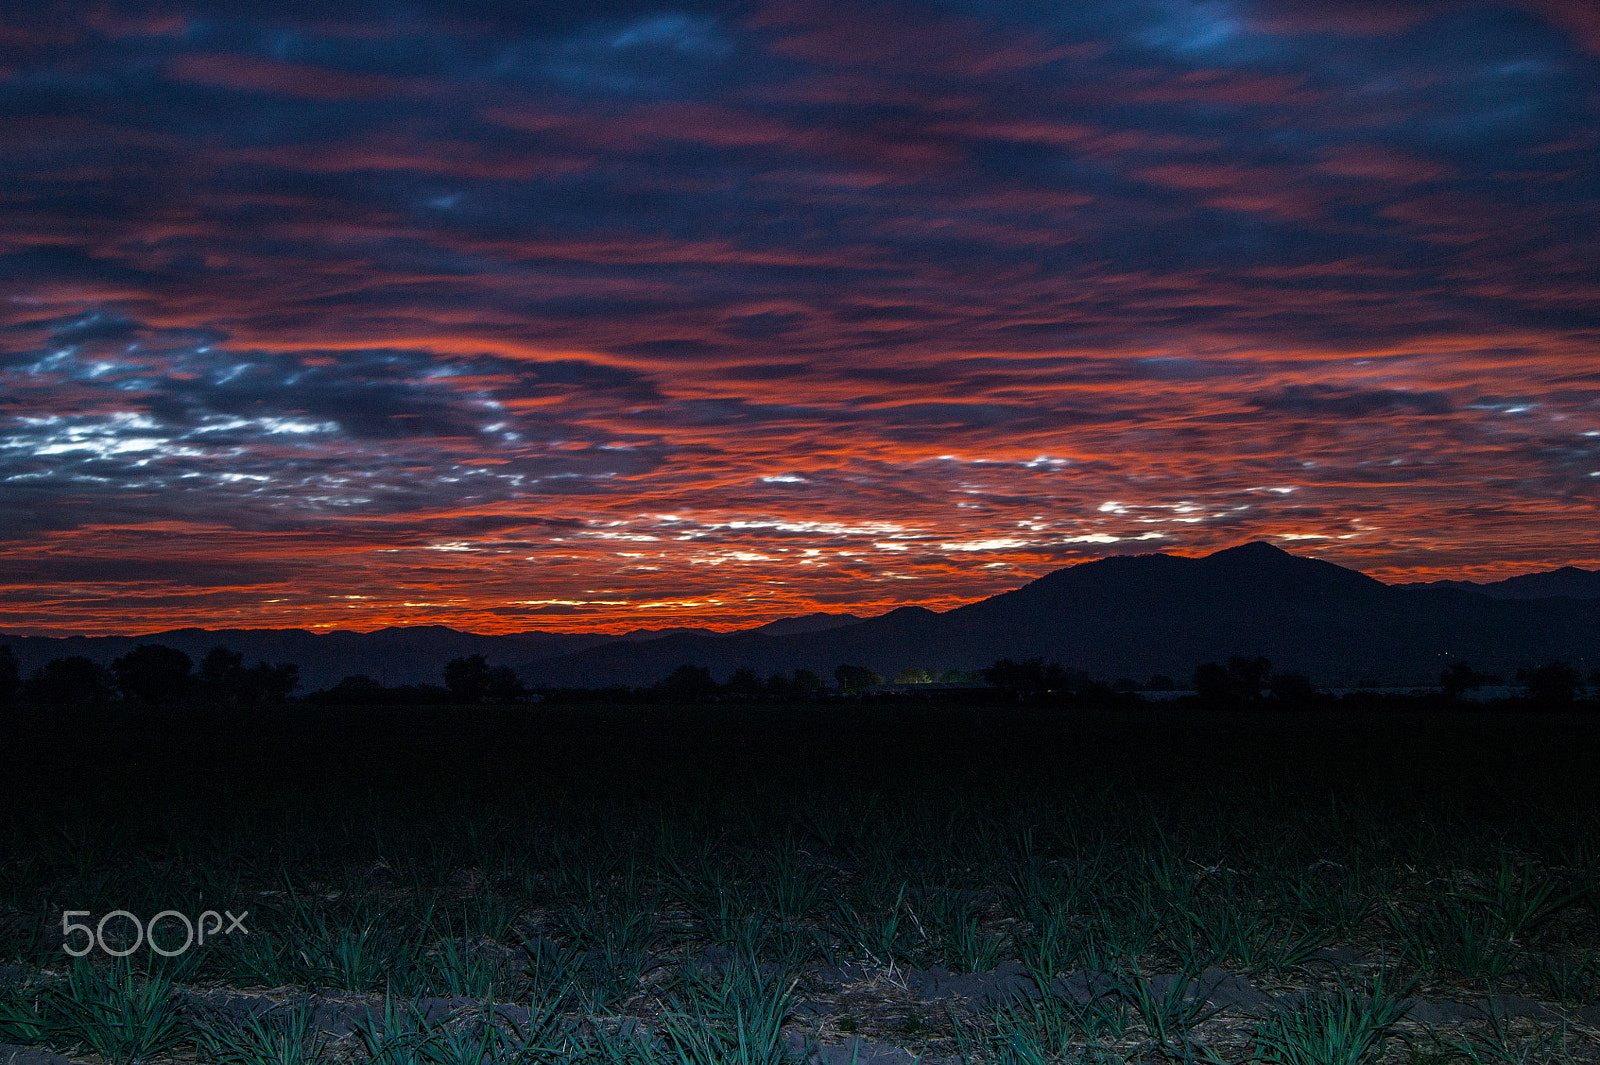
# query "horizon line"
(331, 628)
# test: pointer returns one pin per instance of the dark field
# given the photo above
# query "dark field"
(835, 881)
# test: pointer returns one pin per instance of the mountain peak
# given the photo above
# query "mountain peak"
(907, 612)
(1255, 549)
(820, 621)
(1266, 569)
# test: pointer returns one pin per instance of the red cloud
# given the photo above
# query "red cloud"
(250, 74)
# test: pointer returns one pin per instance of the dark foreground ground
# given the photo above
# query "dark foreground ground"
(830, 882)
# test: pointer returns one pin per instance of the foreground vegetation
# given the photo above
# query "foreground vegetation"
(703, 884)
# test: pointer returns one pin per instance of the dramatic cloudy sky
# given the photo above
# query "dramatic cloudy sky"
(602, 315)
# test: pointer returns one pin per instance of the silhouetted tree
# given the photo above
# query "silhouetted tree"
(75, 680)
(223, 680)
(1080, 683)
(270, 684)
(1253, 673)
(1023, 678)
(1034, 676)
(688, 683)
(1554, 682)
(153, 673)
(743, 683)
(1161, 683)
(807, 681)
(220, 676)
(1458, 678)
(1240, 681)
(854, 678)
(10, 678)
(777, 686)
(467, 678)
(914, 675)
(505, 687)
(358, 689)
(1212, 683)
(1292, 689)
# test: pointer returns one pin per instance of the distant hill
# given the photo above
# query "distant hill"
(1569, 581)
(818, 622)
(408, 655)
(1127, 616)
(396, 655)
(1139, 615)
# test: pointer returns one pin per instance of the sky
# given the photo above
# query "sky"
(600, 316)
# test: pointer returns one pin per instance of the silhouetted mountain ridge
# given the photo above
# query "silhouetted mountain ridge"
(1139, 615)
(1569, 581)
(1249, 573)
(817, 622)
(1125, 615)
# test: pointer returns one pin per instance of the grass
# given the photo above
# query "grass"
(1498, 1043)
(405, 1036)
(951, 924)
(1348, 1026)
(1051, 1026)
(115, 1012)
(1451, 936)
(877, 934)
(1169, 1017)
(456, 967)
(1339, 907)
(1479, 926)
(1568, 980)
(279, 1037)
(24, 1011)
(610, 847)
(733, 1018)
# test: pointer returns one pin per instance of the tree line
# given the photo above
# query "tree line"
(157, 675)
(151, 674)
(154, 674)
(696, 682)
(1252, 680)
(467, 680)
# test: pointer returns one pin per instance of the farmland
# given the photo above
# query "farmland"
(838, 881)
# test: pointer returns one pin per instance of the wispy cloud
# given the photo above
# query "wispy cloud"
(718, 313)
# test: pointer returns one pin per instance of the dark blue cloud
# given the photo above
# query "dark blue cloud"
(1027, 279)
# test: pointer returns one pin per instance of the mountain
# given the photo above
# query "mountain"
(817, 622)
(1569, 581)
(396, 655)
(1125, 616)
(1139, 615)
